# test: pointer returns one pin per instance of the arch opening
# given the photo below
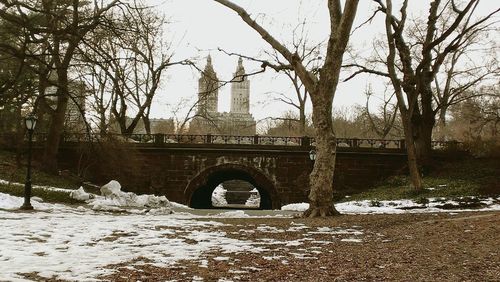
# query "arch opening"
(236, 194)
(200, 191)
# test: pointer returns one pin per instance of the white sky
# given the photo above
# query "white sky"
(199, 27)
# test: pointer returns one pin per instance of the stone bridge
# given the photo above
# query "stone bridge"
(186, 169)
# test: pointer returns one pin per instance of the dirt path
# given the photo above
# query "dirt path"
(409, 247)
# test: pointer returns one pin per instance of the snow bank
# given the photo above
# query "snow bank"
(254, 199)
(219, 196)
(111, 188)
(9, 202)
(80, 195)
(396, 207)
(233, 214)
(295, 207)
(113, 199)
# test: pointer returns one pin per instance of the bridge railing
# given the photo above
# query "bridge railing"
(302, 141)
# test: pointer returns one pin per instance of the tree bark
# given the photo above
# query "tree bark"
(321, 178)
(411, 151)
(424, 144)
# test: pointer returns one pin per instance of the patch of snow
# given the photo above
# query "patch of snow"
(203, 263)
(219, 196)
(111, 188)
(233, 214)
(324, 229)
(354, 240)
(269, 229)
(9, 202)
(221, 258)
(254, 199)
(296, 227)
(37, 199)
(86, 241)
(179, 206)
(80, 195)
(116, 200)
(295, 207)
(395, 206)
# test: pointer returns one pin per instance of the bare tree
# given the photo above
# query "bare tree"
(478, 118)
(133, 56)
(382, 122)
(321, 85)
(312, 59)
(53, 38)
(415, 56)
(288, 124)
(473, 64)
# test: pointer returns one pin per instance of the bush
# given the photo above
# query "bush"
(484, 148)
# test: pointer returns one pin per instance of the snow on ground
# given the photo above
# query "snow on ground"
(295, 207)
(399, 206)
(76, 244)
(114, 199)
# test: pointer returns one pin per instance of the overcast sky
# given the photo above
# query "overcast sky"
(200, 27)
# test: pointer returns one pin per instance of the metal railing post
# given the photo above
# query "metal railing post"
(159, 139)
(306, 141)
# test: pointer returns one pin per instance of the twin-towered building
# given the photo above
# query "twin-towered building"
(208, 119)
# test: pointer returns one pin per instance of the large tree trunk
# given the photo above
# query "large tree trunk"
(321, 178)
(411, 150)
(424, 144)
(56, 128)
(423, 128)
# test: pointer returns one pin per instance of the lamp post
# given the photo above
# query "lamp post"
(30, 123)
(312, 155)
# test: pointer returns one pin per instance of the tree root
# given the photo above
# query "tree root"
(320, 212)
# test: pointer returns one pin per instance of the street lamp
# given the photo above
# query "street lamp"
(312, 155)
(30, 123)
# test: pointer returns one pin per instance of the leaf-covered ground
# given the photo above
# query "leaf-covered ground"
(407, 247)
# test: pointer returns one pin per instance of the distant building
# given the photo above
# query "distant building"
(158, 125)
(208, 119)
(75, 112)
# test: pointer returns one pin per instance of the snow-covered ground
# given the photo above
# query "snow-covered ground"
(399, 206)
(77, 243)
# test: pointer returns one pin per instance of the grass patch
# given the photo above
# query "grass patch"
(10, 172)
(452, 180)
(47, 195)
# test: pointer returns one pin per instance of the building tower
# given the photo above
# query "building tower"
(208, 90)
(240, 91)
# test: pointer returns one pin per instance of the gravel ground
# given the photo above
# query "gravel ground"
(409, 247)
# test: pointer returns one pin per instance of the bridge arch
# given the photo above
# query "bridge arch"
(199, 190)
